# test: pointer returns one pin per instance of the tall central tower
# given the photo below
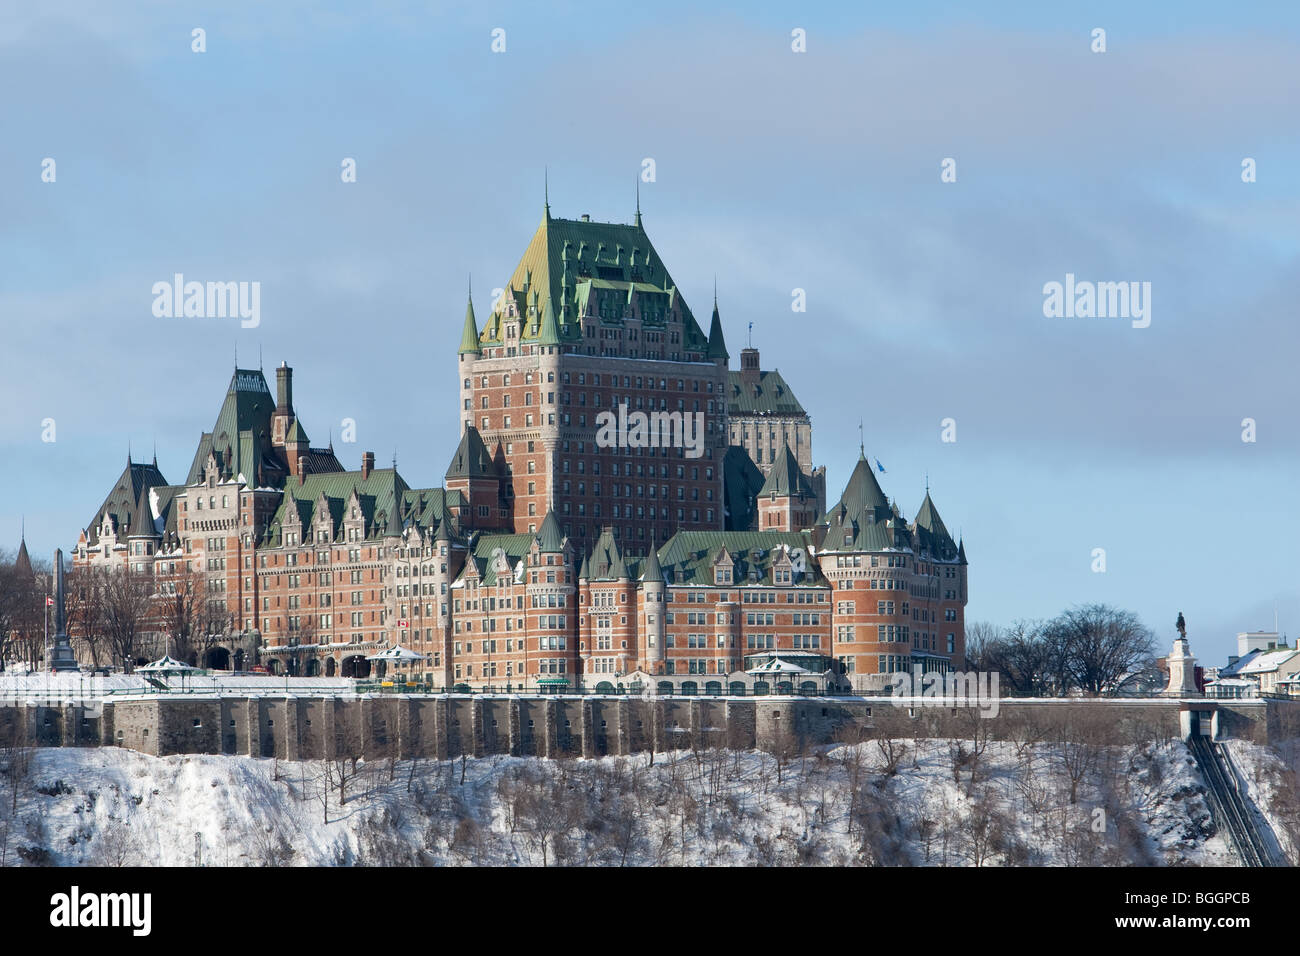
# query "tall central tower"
(590, 324)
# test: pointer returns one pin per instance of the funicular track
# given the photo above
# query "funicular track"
(1232, 811)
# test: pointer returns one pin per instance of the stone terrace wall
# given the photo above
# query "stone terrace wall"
(311, 728)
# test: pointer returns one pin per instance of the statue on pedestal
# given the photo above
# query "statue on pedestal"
(1182, 665)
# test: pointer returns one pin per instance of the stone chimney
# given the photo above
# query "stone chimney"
(367, 464)
(283, 414)
(749, 367)
(284, 388)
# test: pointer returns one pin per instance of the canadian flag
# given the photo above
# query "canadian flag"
(49, 601)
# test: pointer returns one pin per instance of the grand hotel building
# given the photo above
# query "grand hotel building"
(543, 560)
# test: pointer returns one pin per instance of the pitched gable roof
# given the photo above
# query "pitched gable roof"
(471, 459)
(786, 479)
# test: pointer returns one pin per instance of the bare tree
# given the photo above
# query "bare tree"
(84, 610)
(1103, 648)
(1081, 733)
(984, 831)
(889, 726)
(1021, 658)
(128, 597)
(982, 639)
(22, 611)
(187, 615)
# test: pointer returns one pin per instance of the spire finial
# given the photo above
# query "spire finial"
(128, 453)
(236, 356)
(470, 285)
(22, 534)
(259, 358)
(751, 335)
(546, 189)
(638, 199)
(715, 290)
(862, 446)
(155, 451)
(927, 484)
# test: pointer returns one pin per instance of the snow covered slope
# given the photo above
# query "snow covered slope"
(1141, 805)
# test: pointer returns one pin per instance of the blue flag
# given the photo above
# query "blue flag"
(880, 466)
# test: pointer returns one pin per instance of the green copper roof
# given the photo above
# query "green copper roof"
(932, 537)
(141, 520)
(689, 557)
(586, 268)
(484, 552)
(863, 519)
(297, 434)
(241, 437)
(123, 502)
(863, 491)
(379, 498)
(550, 538)
(651, 571)
(770, 395)
(550, 333)
(717, 344)
(469, 336)
(606, 562)
(471, 459)
(786, 479)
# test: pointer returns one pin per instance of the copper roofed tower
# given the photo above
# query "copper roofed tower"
(591, 322)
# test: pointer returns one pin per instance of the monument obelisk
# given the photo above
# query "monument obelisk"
(62, 659)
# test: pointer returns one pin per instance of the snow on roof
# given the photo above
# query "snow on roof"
(1236, 666)
(1268, 661)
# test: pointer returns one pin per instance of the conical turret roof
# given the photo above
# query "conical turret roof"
(23, 562)
(863, 493)
(471, 459)
(786, 479)
(469, 335)
(549, 538)
(717, 344)
(653, 573)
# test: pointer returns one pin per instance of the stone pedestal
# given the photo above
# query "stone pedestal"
(1182, 671)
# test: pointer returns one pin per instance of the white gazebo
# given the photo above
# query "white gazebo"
(777, 666)
(397, 654)
(163, 667)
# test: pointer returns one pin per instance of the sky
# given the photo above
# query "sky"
(774, 170)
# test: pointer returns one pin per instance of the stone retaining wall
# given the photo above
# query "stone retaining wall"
(405, 727)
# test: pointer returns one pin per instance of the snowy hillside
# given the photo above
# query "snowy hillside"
(1140, 806)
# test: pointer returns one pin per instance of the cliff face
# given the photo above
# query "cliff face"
(925, 802)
